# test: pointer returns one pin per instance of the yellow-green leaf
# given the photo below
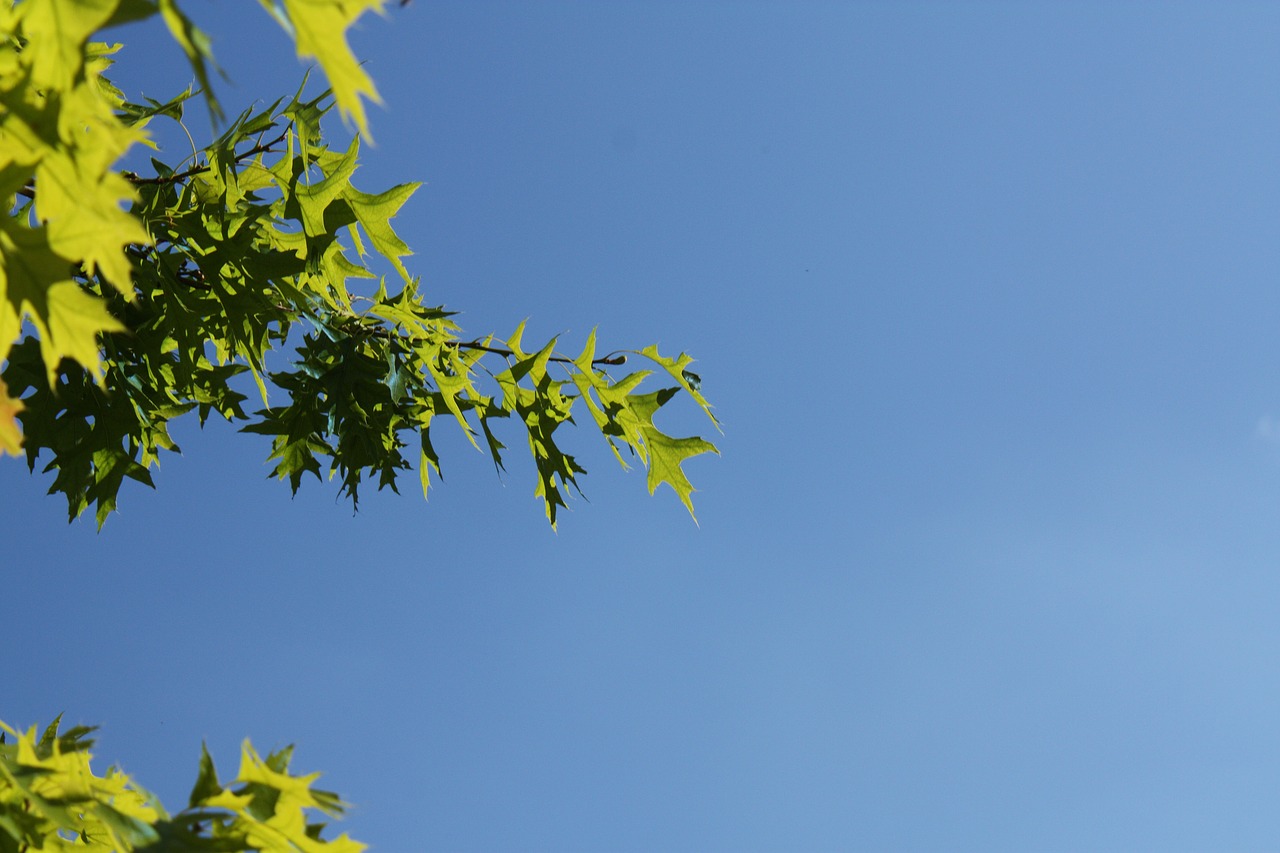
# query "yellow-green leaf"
(374, 213)
(36, 282)
(195, 44)
(84, 218)
(667, 454)
(678, 368)
(296, 788)
(57, 31)
(320, 28)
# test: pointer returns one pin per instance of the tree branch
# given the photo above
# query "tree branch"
(263, 148)
(610, 359)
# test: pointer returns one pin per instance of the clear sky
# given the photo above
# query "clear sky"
(985, 296)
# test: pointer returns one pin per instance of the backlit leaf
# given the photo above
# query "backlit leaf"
(319, 29)
(36, 283)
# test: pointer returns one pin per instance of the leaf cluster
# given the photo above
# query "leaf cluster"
(50, 799)
(151, 296)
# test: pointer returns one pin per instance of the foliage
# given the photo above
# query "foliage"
(248, 246)
(50, 799)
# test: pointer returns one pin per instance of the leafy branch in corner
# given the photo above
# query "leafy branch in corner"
(156, 295)
(49, 794)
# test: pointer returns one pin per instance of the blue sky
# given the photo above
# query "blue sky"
(984, 294)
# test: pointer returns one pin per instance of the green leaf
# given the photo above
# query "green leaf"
(374, 213)
(319, 29)
(195, 44)
(622, 413)
(36, 283)
(85, 220)
(131, 11)
(667, 454)
(314, 199)
(206, 785)
(57, 31)
(689, 381)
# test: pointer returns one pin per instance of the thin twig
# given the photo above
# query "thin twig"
(137, 181)
(506, 353)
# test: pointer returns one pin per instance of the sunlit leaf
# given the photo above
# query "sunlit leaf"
(319, 29)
